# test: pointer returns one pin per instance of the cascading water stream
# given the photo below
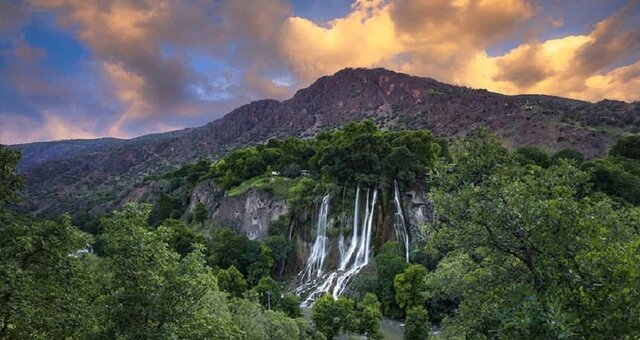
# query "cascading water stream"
(344, 260)
(315, 262)
(402, 234)
(351, 261)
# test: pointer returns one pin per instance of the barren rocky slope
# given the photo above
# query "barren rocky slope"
(97, 177)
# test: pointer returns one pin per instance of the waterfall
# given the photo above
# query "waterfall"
(344, 260)
(315, 262)
(352, 260)
(402, 234)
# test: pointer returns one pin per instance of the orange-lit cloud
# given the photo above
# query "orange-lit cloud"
(144, 77)
(430, 38)
(21, 129)
(448, 40)
(366, 37)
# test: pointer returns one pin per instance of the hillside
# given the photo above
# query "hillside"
(97, 175)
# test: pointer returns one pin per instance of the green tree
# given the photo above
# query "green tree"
(389, 263)
(251, 322)
(411, 286)
(153, 292)
(249, 319)
(612, 177)
(290, 305)
(568, 154)
(231, 281)
(227, 249)
(181, 238)
(628, 147)
(200, 213)
(262, 265)
(369, 315)
(302, 194)
(538, 244)
(531, 154)
(165, 207)
(10, 181)
(332, 317)
(447, 283)
(253, 259)
(281, 327)
(269, 292)
(417, 325)
(47, 288)
(281, 249)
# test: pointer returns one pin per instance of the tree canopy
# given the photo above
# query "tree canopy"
(10, 181)
(529, 251)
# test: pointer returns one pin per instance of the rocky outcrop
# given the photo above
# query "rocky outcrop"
(249, 213)
(419, 210)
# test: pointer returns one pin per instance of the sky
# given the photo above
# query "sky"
(123, 68)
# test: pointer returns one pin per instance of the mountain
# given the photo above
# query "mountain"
(34, 154)
(95, 175)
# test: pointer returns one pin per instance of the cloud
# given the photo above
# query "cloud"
(469, 23)
(366, 37)
(23, 129)
(609, 41)
(12, 17)
(556, 22)
(578, 66)
(145, 47)
(523, 66)
(449, 40)
(161, 64)
(267, 87)
(252, 30)
(253, 21)
(126, 37)
(421, 37)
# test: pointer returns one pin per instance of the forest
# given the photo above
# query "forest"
(523, 244)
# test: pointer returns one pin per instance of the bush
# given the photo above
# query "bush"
(292, 170)
(369, 316)
(333, 316)
(290, 305)
(531, 154)
(628, 147)
(200, 213)
(417, 325)
(569, 154)
(389, 263)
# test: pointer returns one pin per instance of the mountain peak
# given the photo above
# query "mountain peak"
(393, 100)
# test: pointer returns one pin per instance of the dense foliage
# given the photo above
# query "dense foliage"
(344, 316)
(389, 263)
(417, 325)
(139, 288)
(628, 147)
(524, 245)
(529, 251)
(10, 182)
(358, 153)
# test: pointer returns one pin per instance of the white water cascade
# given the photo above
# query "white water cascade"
(352, 260)
(315, 262)
(402, 234)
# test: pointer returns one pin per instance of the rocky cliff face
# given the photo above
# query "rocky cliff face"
(249, 213)
(418, 210)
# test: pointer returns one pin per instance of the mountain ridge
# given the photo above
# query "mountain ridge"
(394, 100)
